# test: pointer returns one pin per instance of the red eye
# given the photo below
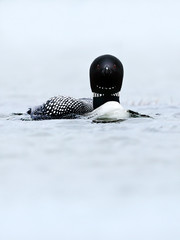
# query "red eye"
(98, 67)
(114, 66)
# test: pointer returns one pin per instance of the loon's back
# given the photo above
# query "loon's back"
(61, 107)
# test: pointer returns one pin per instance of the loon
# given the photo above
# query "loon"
(106, 76)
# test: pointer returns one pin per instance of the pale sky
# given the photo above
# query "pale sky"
(50, 39)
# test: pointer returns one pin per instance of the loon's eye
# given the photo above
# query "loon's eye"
(114, 66)
(98, 67)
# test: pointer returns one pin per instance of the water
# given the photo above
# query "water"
(74, 179)
(66, 178)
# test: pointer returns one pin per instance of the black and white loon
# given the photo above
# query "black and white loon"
(106, 77)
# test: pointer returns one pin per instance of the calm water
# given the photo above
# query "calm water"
(74, 179)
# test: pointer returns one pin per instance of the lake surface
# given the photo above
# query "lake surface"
(74, 179)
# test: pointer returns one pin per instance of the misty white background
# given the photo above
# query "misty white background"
(46, 47)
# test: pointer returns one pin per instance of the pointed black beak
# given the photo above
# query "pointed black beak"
(106, 70)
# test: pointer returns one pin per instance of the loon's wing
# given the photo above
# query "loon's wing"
(61, 107)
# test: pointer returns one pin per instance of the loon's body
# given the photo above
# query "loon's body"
(106, 77)
(61, 107)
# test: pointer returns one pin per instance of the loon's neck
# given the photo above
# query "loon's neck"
(100, 99)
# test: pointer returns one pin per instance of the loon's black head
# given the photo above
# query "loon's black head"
(106, 76)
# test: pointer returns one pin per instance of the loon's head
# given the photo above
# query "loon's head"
(106, 76)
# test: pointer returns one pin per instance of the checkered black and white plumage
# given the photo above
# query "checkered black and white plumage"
(61, 107)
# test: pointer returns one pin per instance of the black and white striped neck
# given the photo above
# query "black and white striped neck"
(100, 98)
